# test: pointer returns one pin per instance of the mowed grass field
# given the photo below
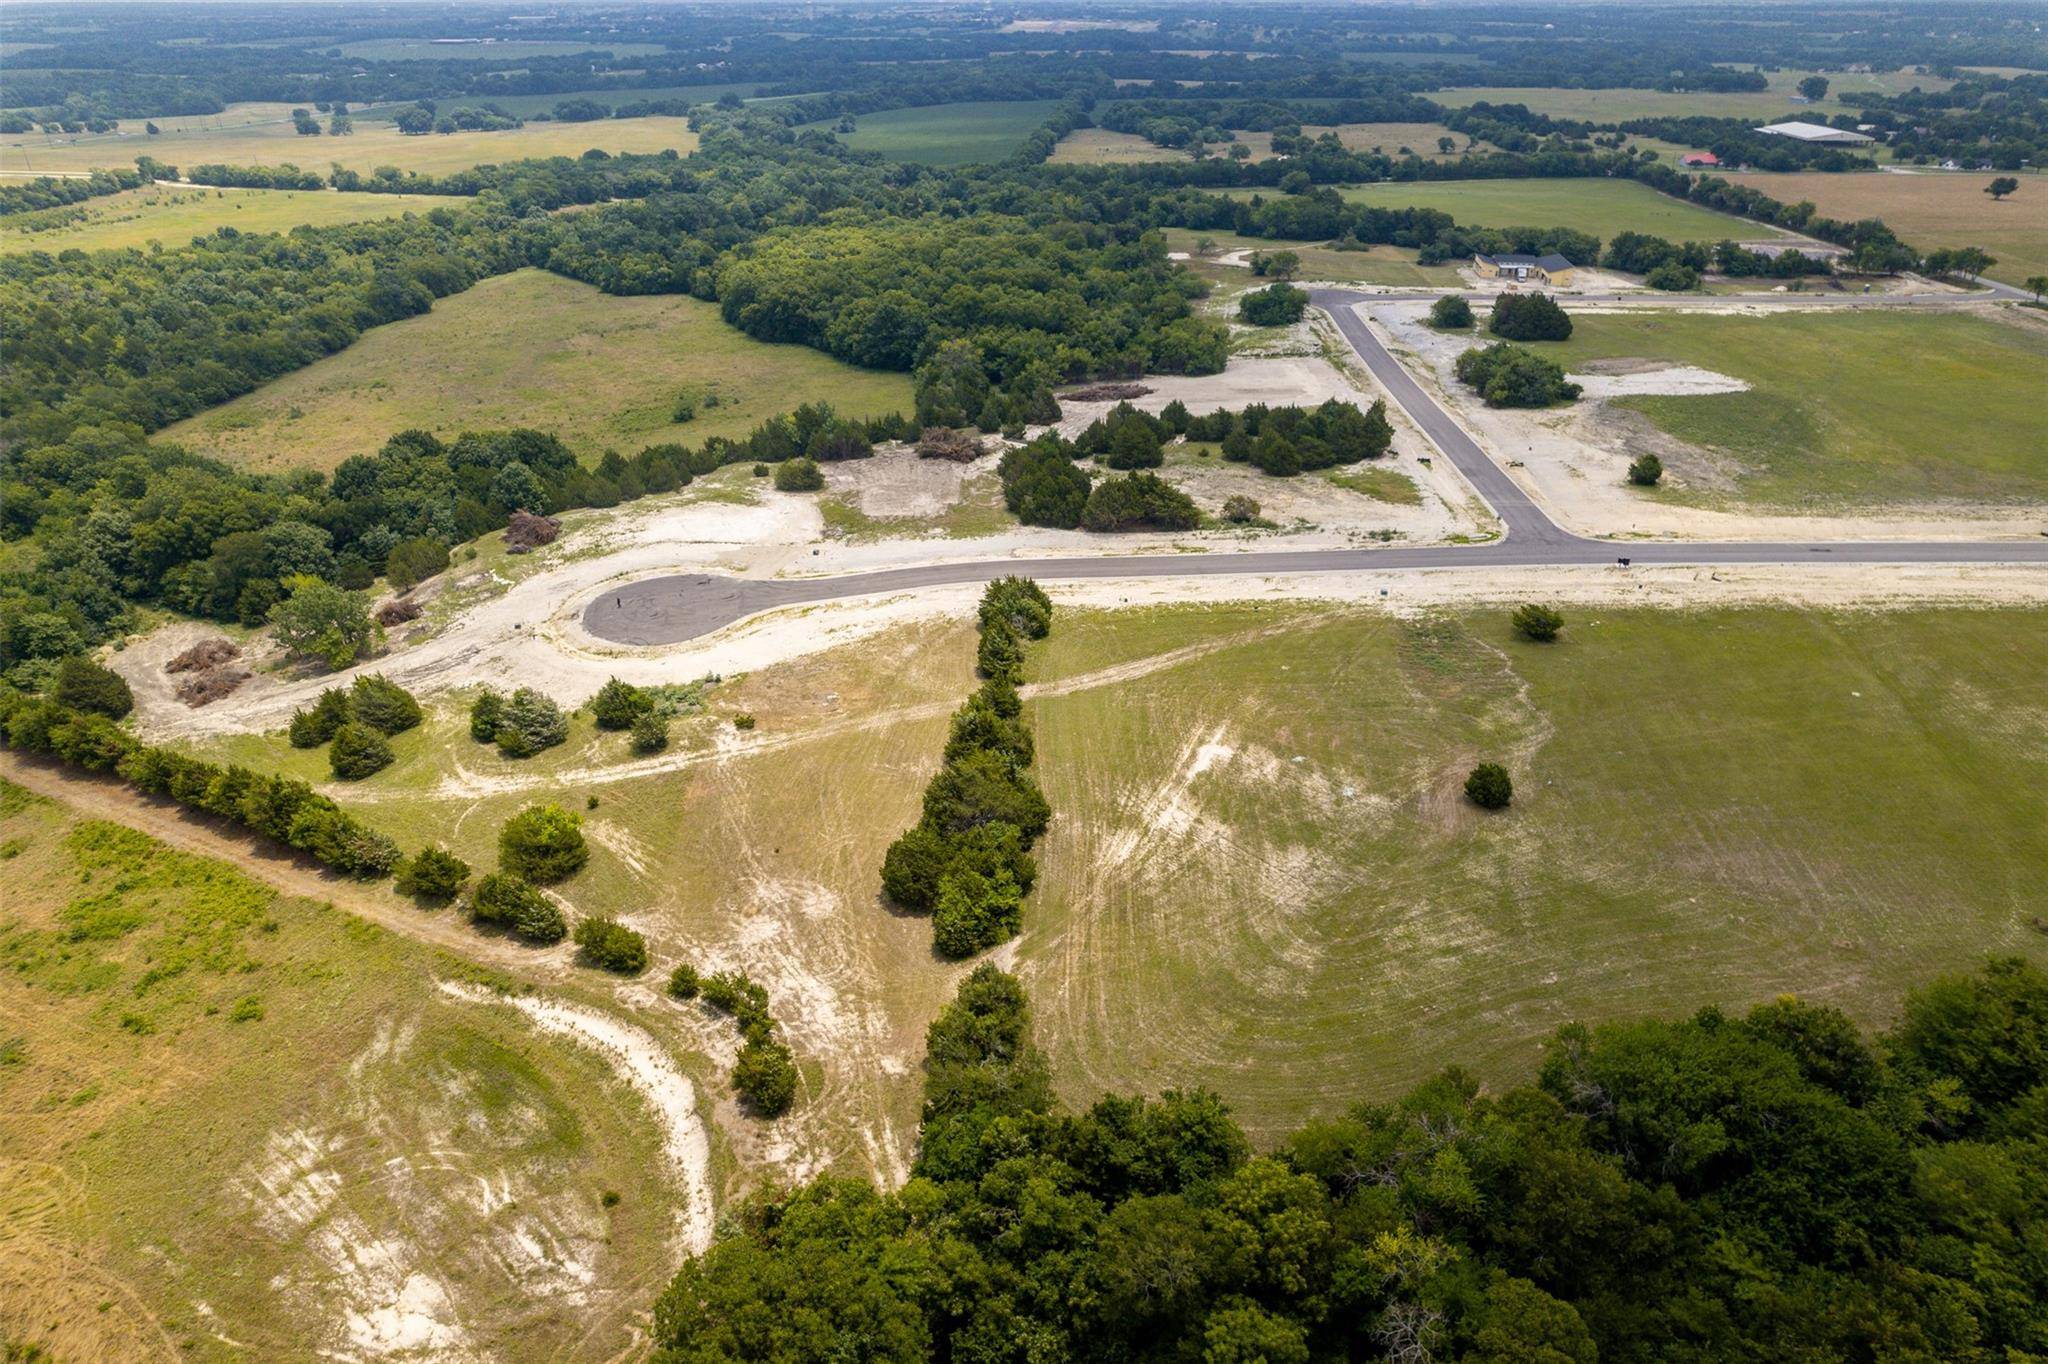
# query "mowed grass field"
(1848, 408)
(1770, 105)
(947, 134)
(1263, 878)
(1601, 207)
(1933, 209)
(533, 349)
(175, 214)
(236, 1124)
(374, 143)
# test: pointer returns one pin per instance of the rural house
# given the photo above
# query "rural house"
(1550, 269)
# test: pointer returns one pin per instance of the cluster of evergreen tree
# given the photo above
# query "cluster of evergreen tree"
(1514, 376)
(1769, 1185)
(967, 862)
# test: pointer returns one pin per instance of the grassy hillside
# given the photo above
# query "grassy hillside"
(1850, 408)
(264, 137)
(1263, 877)
(1261, 874)
(173, 215)
(534, 349)
(1601, 207)
(236, 1125)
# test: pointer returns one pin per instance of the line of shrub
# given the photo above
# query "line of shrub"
(765, 1072)
(967, 863)
(275, 807)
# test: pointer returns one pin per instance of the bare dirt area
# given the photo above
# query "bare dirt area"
(1574, 460)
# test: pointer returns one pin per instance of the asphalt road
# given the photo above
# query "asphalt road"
(669, 610)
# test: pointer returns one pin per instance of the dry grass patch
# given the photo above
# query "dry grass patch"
(173, 215)
(1933, 209)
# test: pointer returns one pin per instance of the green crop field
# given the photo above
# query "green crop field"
(534, 349)
(1772, 105)
(244, 1125)
(948, 134)
(1262, 876)
(174, 214)
(249, 140)
(1601, 207)
(1850, 408)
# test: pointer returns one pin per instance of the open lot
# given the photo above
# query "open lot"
(1620, 105)
(241, 1124)
(1845, 408)
(1933, 209)
(1392, 265)
(1601, 207)
(1262, 878)
(534, 349)
(174, 214)
(1100, 147)
(947, 134)
(374, 143)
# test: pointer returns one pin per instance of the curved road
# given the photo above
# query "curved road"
(669, 610)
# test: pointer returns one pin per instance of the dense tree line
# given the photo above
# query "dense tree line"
(45, 191)
(1762, 1185)
(967, 862)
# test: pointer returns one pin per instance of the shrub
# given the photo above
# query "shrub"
(1489, 787)
(358, 752)
(977, 728)
(912, 867)
(765, 1077)
(412, 562)
(611, 946)
(683, 982)
(973, 911)
(731, 992)
(618, 704)
(1134, 445)
(1644, 470)
(1529, 317)
(1042, 485)
(1450, 313)
(1673, 277)
(312, 728)
(84, 685)
(1239, 509)
(504, 899)
(982, 788)
(1000, 654)
(1138, 501)
(650, 733)
(1019, 603)
(484, 714)
(383, 705)
(1273, 306)
(744, 720)
(529, 723)
(433, 873)
(543, 844)
(799, 476)
(1537, 622)
(1509, 376)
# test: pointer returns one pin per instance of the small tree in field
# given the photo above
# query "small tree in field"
(618, 704)
(611, 946)
(484, 714)
(650, 733)
(357, 752)
(434, 874)
(1450, 313)
(1645, 470)
(502, 898)
(765, 1076)
(528, 723)
(543, 844)
(1489, 787)
(320, 620)
(1536, 622)
(2002, 186)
